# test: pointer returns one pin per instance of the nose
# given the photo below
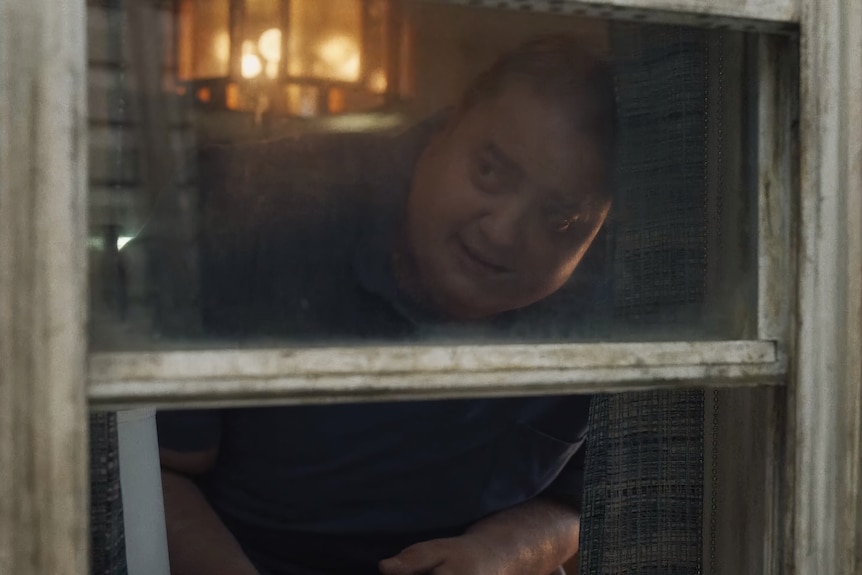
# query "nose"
(502, 225)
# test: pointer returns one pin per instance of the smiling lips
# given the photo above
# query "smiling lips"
(479, 261)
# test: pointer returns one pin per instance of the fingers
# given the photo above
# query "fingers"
(419, 559)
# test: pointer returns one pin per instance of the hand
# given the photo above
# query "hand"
(465, 555)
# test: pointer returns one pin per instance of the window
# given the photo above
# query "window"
(799, 332)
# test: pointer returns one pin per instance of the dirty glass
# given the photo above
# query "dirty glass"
(267, 173)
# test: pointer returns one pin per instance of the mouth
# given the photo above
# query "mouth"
(479, 261)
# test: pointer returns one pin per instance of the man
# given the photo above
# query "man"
(485, 210)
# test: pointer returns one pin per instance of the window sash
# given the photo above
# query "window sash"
(777, 161)
(207, 378)
(749, 15)
(746, 430)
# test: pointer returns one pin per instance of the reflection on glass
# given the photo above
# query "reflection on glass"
(277, 168)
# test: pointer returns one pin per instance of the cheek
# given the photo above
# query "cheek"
(551, 278)
(550, 267)
(446, 199)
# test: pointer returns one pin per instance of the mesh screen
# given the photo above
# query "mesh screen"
(644, 499)
(107, 540)
(661, 235)
(112, 169)
(644, 495)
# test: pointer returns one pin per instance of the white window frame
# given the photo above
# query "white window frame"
(810, 297)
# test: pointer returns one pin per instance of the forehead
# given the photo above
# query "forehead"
(540, 136)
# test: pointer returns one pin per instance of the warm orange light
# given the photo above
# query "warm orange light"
(221, 48)
(271, 70)
(251, 66)
(232, 96)
(203, 39)
(377, 81)
(269, 45)
(234, 57)
(336, 101)
(340, 57)
(204, 95)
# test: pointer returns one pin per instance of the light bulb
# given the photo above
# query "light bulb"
(269, 45)
(251, 66)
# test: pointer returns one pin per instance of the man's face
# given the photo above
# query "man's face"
(504, 203)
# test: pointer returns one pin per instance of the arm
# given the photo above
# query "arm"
(198, 541)
(533, 538)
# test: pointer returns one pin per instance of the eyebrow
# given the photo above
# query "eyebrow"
(560, 199)
(590, 206)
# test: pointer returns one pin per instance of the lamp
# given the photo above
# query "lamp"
(292, 57)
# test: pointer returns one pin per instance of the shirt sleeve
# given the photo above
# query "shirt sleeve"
(568, 487)
(189, 431)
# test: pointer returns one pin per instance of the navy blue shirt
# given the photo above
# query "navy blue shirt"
(294, 250)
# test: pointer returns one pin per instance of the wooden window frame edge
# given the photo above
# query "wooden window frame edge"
(211, 378)
(824, 519)
(44, 494)
(399, 359)
(775, 16)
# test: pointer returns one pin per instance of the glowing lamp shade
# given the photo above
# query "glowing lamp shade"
(258, 49)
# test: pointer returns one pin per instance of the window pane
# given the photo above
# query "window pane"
(379, 187)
